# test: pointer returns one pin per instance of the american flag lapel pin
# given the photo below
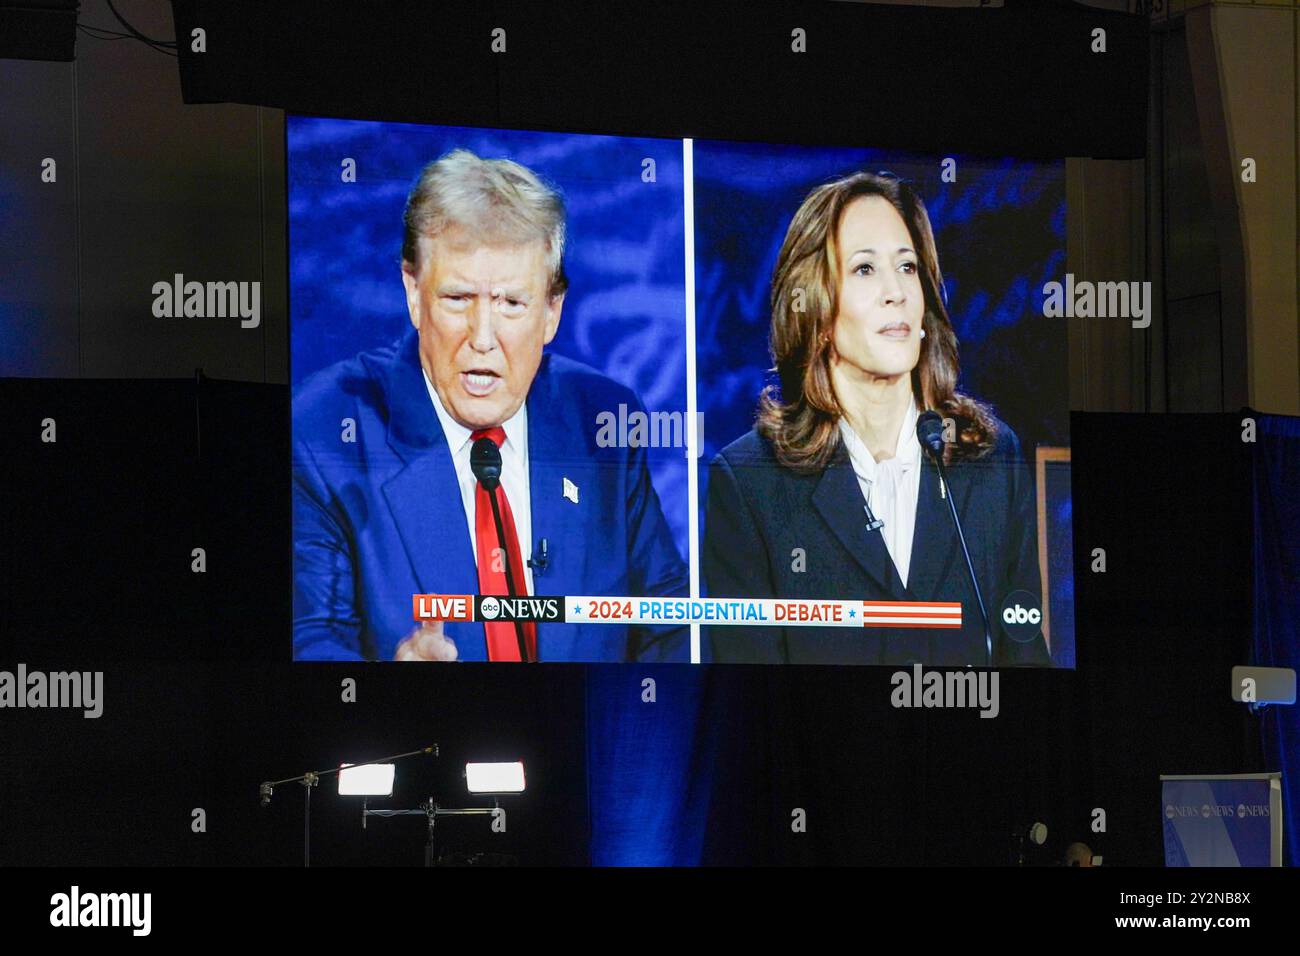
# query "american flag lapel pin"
(570, 491)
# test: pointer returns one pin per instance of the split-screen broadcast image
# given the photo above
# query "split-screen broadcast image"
(563, 397)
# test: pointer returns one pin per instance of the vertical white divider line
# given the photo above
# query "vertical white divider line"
(692, 418)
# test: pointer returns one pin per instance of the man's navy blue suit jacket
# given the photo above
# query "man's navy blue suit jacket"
(759, 512)
(379, 519)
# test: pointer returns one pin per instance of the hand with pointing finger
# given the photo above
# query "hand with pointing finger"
(426, 643)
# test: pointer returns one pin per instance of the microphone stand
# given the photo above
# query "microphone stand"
(311, 778)
(970, 567)
(485, 463)
(510, 581)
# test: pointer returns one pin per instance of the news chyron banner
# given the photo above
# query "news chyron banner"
(679, 610)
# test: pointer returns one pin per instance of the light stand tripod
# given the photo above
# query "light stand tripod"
(312, 777)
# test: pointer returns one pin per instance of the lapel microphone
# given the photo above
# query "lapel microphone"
(541, 558)
(873, 523)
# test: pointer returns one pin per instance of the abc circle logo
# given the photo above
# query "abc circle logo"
(1022, 616)
(489, 608)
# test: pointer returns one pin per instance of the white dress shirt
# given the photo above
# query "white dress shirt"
(514, 473)
(891, 487)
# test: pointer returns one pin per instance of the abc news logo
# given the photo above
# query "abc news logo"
(1207, 810)
(1022, 616)
(535, 609)
(477, 607)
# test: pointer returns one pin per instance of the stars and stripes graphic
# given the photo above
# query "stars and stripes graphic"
(911, 613)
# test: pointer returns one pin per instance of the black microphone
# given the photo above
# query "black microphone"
(485, 463)
(929, 432)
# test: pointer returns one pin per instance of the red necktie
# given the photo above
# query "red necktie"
(502, 642)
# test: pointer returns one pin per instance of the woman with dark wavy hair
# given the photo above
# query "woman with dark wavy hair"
(830, 496)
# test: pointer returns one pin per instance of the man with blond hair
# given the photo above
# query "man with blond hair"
(386, 501)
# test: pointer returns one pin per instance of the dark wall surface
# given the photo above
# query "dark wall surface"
(146, 187)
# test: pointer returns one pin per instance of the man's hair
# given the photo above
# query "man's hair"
(801, 419)
(497, 200)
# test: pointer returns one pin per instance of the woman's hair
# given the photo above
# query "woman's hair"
(801, 421)
(496, 199)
